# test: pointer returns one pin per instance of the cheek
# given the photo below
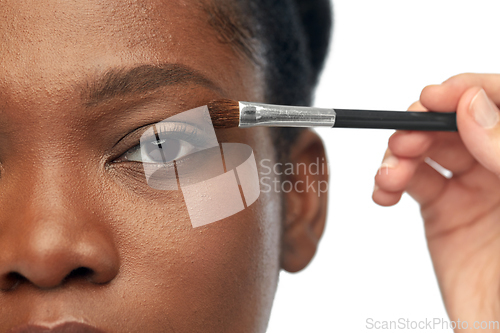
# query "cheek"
(196, 278)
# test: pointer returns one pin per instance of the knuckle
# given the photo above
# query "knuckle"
(461, 78)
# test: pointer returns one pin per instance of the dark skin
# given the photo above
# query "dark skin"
(84, 238)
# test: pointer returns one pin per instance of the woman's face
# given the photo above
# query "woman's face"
(85, 239)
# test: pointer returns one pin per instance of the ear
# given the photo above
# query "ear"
(306, 202)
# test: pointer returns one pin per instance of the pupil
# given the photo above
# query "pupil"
(165, 150)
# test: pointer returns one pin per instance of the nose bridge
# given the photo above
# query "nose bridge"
(37, 187)
(44, 192)
(49, 227)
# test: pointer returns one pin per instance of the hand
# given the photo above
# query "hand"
(461, 214)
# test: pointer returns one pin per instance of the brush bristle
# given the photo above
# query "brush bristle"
(225, 113)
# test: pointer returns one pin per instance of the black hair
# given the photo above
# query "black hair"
(287, 39)
(294, 35)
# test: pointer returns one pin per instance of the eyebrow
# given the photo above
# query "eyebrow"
(120, 82)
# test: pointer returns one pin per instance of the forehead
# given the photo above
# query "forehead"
(52, 44)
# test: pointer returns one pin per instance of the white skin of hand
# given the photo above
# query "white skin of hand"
(461, 214)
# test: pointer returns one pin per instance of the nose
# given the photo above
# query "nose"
(48, 243)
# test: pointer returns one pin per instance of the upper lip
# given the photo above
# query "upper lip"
(68, 327)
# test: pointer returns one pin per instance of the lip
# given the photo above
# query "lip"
(68, 327)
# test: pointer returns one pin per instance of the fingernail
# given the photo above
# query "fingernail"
(485, 112)
(390, 162)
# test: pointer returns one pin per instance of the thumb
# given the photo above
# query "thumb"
(478, 121)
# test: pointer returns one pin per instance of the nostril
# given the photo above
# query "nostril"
(11, 281)
(79, 273)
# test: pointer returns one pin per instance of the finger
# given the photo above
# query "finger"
(411, 143)
(417, 106)
(414, 176)
(478, 120)
(381, 196)
(449, 151)
(426, 184)
(384, 198)
(395, 172)
(446, 96)
(446, 149)
(421, 181)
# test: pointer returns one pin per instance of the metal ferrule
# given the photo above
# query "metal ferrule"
(257, 114)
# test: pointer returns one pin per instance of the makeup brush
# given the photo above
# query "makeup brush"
(226, 113)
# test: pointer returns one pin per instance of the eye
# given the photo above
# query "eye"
(158, 151)
(165, 142)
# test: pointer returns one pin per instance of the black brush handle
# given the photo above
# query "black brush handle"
(398, 120)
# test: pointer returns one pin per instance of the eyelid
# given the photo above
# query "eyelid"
(181, 131)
